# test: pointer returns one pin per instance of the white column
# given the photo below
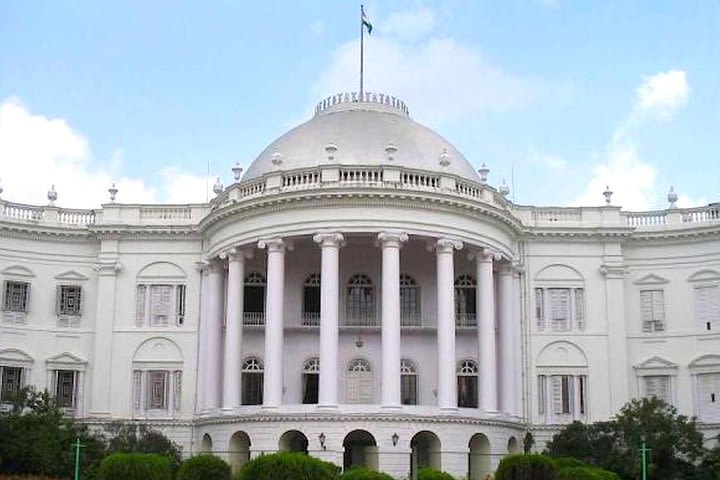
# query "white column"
(486, 331)
(273, 381)
(507, 332)
(517, 337)
(447, 384)
(232, 357)
(214, 309)
(576, 397)
(391, 243)
(203, 346)
(329, 312)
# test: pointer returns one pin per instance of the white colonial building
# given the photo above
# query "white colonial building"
(364, 295)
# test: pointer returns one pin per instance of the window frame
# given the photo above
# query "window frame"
(467, 369)
(576, 306)
(145, 307)
(652, 324)
(8, 304)
(467, 284)
(311, 368)
(253, 369)
(409, 371)
(61, 309)
(360, 301)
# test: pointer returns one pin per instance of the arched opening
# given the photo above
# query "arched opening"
(512, 445)
(425, 452)
(206, 444)
(251, 380)
(467, 384)
(311, 381)
(311, 300)
(293, 441)
(408, 382)
(358, 382)
(254, 299)
(465, 301)
(479, 457)
(239, 450)
(409, 302)
(360, 450)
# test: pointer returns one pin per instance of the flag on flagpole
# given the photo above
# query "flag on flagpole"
(366, 23)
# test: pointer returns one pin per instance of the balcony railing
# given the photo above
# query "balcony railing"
(310, 319)
(465, 320)
(254, 318)
(413, 319)
(360, 320)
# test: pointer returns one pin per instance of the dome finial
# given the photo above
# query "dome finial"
(444, 158)
(1, 190)
(237, 171)
(276, 159)
(52, 195)
(483, 171)
(672, 197)
(113, 192)
(218, 187)
(504, 189)
(608, 194)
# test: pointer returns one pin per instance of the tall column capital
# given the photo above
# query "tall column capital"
(445, 245)
(329, 239)
(505, 269)
(275, 245)
(236, 254)
(484, 255)
(392, 239)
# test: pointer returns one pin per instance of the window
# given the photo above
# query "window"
(159, 305)
(467, 384)
(560, 309)
(359, 382)
(311, 381)
(562, 394)
(311, 300)
(652, 309)
(252, 382)
(707, 307)
(657, 386)
(254, 299)
(16, 296)
(68, 300)
(408, 383)
(708, 385)
(12, 382)
(409, 301)
(360, 304)
(65, 386)
(157, 392)
(562, 398)
(465, 301)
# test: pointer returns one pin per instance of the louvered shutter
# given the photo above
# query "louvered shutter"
(580, 308)
(542, 389)
(557, 394)
(646, 310)
(658, 305)
(359, 387)
(140, 305)
(709, 393)
(137, 389)
(58, 299)
(559, 308)
(166, 305)
(707, 306)
(539, 308)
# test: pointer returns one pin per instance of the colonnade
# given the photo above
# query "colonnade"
(499, 388)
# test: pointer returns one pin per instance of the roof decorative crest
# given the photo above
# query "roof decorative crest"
(382, 99)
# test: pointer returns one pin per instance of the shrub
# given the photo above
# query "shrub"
(287, 466)
(204, 467)
(365, 474)
(526, 467)
(567, 462)
(585, 473)
(135, 466)
(431, 474)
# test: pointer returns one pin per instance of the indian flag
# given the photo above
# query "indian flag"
(366, 23)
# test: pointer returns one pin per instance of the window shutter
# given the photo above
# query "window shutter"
(26, 304)
(658, 306)
(646, 307)
(557, 396)
(178, 390)
(707, 306)
(6, 295)
(559, 308)
(140, 305)
(180, 304)
(539, 309)
(137, 389)
(542, 386)
(58, 299)
(78, 301)
(580, 308)
(166, 305)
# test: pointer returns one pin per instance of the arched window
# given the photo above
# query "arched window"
(254, 299)
(408, 382)
(360, 303)
(311, 300)
(311, 380)
(467, 384)
(465, 306)
(358, 381)
(252, 381)
(409, 301)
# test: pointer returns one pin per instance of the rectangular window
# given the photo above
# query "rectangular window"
(311, 383)
(252, 388)
(157, 390)
(12, 378)
(542, 393)
(652, 310)
(65, 388)
(583, 389)
(562, 394)
(707, 307)
(160, 305)
(540, 308)
(559, 308)
(16, 296)
(658, 386)
(467, 391)
(408, 389)
(161, 297)
(68, 300)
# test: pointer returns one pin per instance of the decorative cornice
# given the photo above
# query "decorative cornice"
(613, 271)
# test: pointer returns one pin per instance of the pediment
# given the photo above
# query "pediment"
(66, 358)
(161, 270)
(706, 361)
(14, 356)
(651, 279)
(561, 354)
(705, 276)
(655, 363)
(558, 272)
(71, 275)
(18, 271)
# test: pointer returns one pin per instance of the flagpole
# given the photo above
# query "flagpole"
(362, 35)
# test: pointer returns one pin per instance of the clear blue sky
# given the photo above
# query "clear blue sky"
(568, 94)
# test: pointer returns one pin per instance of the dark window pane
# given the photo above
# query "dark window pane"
(467, 391)
(254, 299)
(408, 389)
(252, 388)
(310, 387)
(311, 300)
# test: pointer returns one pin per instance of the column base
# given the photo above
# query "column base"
(227, 410)
(391, 408)
(99, 414)
(327, 407)
(270, 407)
(451, 410)
(491, 412)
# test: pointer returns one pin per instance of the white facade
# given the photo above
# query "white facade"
(364, 295)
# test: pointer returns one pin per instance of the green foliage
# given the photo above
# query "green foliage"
(567, 462)
(133, 438)
(675, 443)
(528, 442)
(287, 466)
(526, 467)
(135, 466)
(364, 474)
(204, 467)
(585, 473)
(431, 474)
(710, 467)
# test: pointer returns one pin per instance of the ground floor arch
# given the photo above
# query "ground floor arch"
(360, 450)
(206, 445)
(425, 452)
(479, 459)
(239, 450)
(293, 441)
(512, 446)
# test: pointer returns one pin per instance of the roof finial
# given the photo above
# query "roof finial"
(672, 197)
(483, 171)
(218, 187)
(52, 195)
(113, 192)
(608, 194)
(237, 171)
(444, 158)
(1, 190)
(391, 149)
(331, 149)
(504, 189)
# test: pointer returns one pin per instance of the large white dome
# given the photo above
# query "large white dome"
(364, 133)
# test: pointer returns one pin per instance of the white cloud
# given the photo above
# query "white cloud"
(549, 160)
(629, 176)
(409, 25)
(37, 152)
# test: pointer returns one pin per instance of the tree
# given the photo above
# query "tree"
(134, 438)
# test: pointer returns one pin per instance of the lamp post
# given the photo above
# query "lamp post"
(77, 446)
(643, 459)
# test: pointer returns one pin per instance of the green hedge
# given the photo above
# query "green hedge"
(526, 467)
(585, 473)
(431, 474)
(287, 466)
(135, 466)
(567, 462)
(204, 467)
(365, 474)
